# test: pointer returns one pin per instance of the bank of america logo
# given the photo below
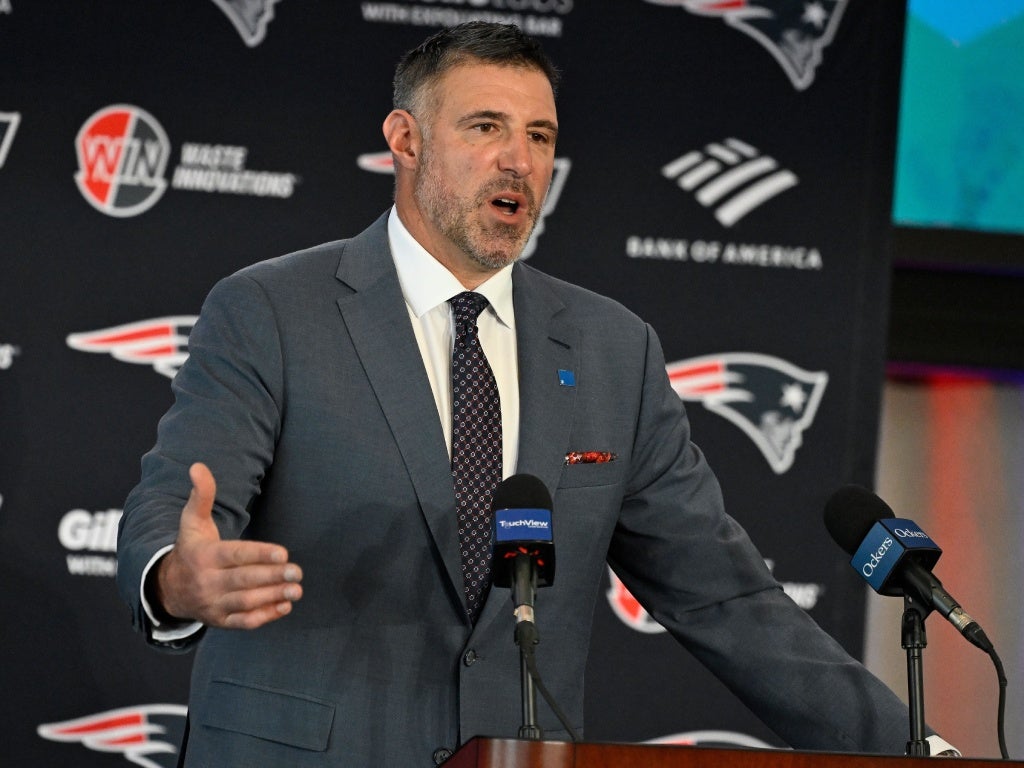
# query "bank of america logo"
(730, 177)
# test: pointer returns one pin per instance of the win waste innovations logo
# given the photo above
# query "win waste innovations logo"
(122, 159)
(123, 155)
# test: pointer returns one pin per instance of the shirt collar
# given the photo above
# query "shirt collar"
(426, 282)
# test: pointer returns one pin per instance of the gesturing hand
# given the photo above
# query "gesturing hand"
(231, 584)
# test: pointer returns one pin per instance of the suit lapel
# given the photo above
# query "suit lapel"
(375, 316)
(548, 350)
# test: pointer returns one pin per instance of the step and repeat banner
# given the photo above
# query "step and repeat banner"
(724, 169)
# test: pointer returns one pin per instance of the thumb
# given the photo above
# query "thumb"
(197, 515)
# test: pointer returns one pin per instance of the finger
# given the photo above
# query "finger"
(248, 600)
(197, 514)
(248, 577)
(253, 608)
(257, 618)
(203, 480)
(244, 553)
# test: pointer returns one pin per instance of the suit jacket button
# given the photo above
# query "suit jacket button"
(441, 754)
(470, 658)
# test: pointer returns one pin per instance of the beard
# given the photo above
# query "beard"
(493, 245)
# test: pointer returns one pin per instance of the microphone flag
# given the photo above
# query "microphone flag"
(889, 543)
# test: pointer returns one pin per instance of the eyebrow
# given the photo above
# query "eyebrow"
(491, 114)
(550, 125)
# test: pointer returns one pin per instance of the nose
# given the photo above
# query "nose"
(516, 156)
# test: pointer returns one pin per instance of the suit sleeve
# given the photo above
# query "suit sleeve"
(698, 574)
(226, 414)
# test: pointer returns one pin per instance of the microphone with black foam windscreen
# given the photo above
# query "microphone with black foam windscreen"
(524, 542)
(524, 559)
(896, 558)
(894, 555)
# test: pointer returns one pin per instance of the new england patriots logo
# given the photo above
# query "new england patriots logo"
(161, 342)
(147, 735)
(250, 17)
(770, 399)
(795, 32)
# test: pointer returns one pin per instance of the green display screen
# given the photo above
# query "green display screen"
(960, 144)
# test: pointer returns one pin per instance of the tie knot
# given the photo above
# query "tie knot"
(468, 306)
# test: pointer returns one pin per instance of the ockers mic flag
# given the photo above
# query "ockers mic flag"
(894, 555)
(887, 543)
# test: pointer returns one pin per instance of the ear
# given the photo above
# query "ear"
(402, 133)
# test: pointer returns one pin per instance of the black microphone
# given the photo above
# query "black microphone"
(894, 555)
(524, 559)
(524, 545)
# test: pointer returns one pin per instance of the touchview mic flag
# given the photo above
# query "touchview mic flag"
(894, 555)
(522, 528)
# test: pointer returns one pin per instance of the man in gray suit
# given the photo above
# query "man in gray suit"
(312, 425)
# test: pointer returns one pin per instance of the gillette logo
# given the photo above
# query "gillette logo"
(90, 539)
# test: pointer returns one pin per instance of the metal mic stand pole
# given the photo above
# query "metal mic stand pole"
(914, 641)
(529, 729)
(523, 591)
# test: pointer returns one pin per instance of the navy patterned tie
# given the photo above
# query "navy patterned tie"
(476, 446)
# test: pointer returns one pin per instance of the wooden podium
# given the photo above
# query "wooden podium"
(518, 753)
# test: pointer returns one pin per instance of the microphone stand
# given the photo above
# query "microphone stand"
(914, 641)
(523, 591)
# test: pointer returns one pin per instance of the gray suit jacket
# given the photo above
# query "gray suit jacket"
(306, 395)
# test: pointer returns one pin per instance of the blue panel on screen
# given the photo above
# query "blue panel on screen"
(960, 150)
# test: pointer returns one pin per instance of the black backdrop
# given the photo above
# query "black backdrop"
(724, 170)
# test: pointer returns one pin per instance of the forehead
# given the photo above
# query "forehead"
(519, 90)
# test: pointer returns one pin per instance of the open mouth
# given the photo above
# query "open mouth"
(506, 204)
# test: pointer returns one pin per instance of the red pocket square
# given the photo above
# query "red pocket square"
(589, 457)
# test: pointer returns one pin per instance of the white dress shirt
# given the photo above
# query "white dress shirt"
(427, 286)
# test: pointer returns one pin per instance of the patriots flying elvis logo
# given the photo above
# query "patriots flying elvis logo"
(146, 735)
(794, 32)
(161, 342)
(770, 399)
(249, 17)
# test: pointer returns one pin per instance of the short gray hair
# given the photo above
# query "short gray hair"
(503, 44)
